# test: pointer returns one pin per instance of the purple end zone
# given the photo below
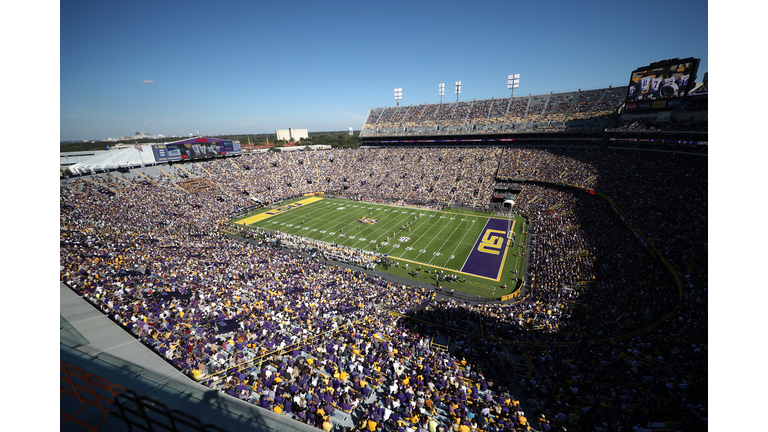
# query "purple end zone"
(487, 256)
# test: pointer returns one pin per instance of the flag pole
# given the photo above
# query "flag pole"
(138, 147)
(113, 158)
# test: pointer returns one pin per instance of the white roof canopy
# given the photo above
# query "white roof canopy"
(113, 159)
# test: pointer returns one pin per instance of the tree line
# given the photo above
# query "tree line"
(334, 139)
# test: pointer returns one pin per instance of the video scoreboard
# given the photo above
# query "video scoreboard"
(195, 148)
(661, 85)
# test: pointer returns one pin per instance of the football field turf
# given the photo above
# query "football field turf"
(465, 244)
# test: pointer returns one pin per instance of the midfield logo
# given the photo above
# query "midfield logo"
(366, 220)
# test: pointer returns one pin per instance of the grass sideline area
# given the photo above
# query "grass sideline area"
(454, 242)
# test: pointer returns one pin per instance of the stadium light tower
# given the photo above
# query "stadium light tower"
(441, 90)
(398, 95)
(513, 82)
(458, 90)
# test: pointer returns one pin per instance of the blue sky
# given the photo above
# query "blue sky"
(253, 67)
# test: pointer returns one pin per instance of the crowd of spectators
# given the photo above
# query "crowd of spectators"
(537, 164)
(374, 115)
(518, 110)
(536, 108)
(498, 112)
(150, 255)
(213, 307)
(590, 109)
(412, 116)
(479, 112)
(322, 250)
(643, 125)
(696, 105)
(577, 239)
(559, 107)
(392, 117)
(461, 111)
(584, 104)
(665, 195)
(610, 100)
(429, 176)
(444, 114)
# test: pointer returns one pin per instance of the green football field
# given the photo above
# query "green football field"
(461, 243)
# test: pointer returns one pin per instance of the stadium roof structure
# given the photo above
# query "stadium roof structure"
(113, 159)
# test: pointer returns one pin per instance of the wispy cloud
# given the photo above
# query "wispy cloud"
(149, 81)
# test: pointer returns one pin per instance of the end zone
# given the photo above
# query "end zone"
(278, 210)
(490, 251)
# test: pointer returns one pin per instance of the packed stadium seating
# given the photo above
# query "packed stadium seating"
(582, 110)
(605, 340)
(672, 125)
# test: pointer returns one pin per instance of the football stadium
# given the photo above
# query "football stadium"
(523, 263)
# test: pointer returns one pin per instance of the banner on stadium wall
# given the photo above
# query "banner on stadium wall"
(510, 296)
(674, 103)
(314, 194)
(665, 141)
(668, 141)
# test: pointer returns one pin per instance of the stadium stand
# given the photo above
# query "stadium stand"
(671, 125)
(607, 338)
(582, 110)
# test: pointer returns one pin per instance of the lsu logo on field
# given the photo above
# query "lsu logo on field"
(490, 243)
(366, 220)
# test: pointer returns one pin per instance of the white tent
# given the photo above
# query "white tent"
(508, 203)
(112, 159)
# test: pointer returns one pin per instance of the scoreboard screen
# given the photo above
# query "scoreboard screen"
(661, 85)
(196, 148)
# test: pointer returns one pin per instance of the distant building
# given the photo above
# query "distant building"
(291, 134)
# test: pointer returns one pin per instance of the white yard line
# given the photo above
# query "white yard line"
(470, 252)
(433, 239)
(459, 244)
(384, 228)
(425, 232)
